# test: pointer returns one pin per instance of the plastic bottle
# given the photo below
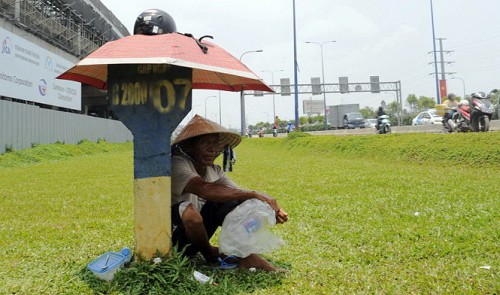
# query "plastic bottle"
(202, 278)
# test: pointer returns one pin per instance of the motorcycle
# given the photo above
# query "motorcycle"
(384, 124)
(275, 132)
(261, 132)
(460, 119)
(481, 111)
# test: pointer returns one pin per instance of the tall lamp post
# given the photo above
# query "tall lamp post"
(242, 98)
(272, 83)
(463, 83)
(206, 98)
(436, 78)
(323, 74)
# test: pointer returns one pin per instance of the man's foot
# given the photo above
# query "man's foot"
(257, 262)
(212, 254)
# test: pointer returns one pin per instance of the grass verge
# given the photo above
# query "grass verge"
(367, 217)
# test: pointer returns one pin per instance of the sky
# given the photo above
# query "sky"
(391, 39)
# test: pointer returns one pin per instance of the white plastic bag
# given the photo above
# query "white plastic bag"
(246, 230)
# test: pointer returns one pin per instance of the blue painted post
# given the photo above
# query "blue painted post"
(151, 100)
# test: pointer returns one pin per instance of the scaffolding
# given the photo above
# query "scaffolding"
(58, 24)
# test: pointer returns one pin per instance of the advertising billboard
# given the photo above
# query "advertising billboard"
(29, 72)
(313, 106)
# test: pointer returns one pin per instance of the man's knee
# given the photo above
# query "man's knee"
(192, 217)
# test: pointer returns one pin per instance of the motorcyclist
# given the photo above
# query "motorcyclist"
(450, 106)
(380, 112)
(261, 132)
(275, 131)
(250, 132)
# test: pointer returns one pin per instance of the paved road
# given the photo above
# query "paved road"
(494, 126)
(435, 128)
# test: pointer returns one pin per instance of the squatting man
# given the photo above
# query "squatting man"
(202, 195)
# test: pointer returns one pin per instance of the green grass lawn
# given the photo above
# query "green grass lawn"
(396, 214)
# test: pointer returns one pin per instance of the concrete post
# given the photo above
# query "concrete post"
(151, 100)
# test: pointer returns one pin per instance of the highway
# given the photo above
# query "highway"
(435, 128)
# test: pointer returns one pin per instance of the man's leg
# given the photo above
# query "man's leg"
(446, 117)
(196, 233)
(214, 213)
(213, 216)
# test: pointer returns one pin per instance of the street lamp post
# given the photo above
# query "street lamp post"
(206, 98)
(242, 98)
(323, 74)
(436, 78)
(463, 83)
(274, 103)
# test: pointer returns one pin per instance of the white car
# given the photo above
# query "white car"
(427, 117)
(370, 123)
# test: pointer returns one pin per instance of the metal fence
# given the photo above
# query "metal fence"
(23, 125)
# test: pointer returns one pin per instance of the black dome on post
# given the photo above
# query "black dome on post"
(154, 22)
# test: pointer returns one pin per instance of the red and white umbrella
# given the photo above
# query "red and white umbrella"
(215, 69)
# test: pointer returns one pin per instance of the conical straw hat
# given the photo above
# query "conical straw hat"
(200, 126)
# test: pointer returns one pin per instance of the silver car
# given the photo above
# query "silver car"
(370, 123)
(427, 117)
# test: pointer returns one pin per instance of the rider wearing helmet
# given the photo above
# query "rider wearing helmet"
(154, 22)
(380, 112)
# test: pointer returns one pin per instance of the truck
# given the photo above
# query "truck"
(345, 116)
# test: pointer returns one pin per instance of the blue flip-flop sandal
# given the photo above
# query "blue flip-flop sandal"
(228, 262)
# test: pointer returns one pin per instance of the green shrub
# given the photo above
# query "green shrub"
(297, 134)
(51, 152)
(9, 148)
(479, 149)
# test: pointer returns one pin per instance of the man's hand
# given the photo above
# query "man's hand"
(268, 199)
(281, 216)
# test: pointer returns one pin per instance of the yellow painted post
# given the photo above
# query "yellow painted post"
(152, 216)
(151, 100)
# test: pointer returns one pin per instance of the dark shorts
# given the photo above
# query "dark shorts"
(213, 215)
